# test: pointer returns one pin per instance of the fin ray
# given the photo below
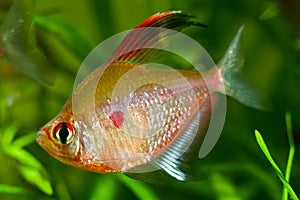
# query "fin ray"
(231, 65)
(16, 48)
(139, 45)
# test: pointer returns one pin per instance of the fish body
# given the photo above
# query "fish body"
(131, 127)
(129, 117)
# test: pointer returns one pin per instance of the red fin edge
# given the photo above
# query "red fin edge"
(133, 47)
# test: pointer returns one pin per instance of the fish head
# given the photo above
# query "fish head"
(59, 138)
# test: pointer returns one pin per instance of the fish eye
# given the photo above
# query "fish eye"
(64, 133)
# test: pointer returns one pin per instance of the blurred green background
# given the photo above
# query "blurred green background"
(65, 31)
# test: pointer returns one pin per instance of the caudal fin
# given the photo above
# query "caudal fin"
(231, 66)
(16, 48)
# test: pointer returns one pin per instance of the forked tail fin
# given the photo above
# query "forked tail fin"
(231, 65)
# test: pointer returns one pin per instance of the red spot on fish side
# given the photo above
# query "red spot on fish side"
(117, 118)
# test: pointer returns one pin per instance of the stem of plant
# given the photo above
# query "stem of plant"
(265, 150)
(288, 122)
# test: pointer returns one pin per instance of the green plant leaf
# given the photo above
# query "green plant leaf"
(288, 121)
(223, 188)
(68, 34)
(35, 177)
(103, 188)
(11, 189)
(265, 150)
(8, 133)
(23, 156)
(61, 188)
(24, 140)
(140, 189)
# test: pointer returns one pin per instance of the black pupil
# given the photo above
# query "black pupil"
(63, 133)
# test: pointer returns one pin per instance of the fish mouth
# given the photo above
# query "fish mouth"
(43, 141)
(41, 138)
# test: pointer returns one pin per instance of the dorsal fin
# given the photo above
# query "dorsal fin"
(170, 20)
(139, 45)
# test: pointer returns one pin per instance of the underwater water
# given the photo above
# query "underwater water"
(65, 32)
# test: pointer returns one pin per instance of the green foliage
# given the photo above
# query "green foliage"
(35, 177)
(224, 189)
(29, 167)
(288, 170)
(284, 179)
(101, 190)
(140, 189)
(74, 38)
(11, 189)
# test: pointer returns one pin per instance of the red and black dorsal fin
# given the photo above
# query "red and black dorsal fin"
(137, 45)
(170, 20)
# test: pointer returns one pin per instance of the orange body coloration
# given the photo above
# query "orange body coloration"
(125, 117)
(143, 126)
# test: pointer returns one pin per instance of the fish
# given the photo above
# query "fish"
(128, 116)
(16, 47)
